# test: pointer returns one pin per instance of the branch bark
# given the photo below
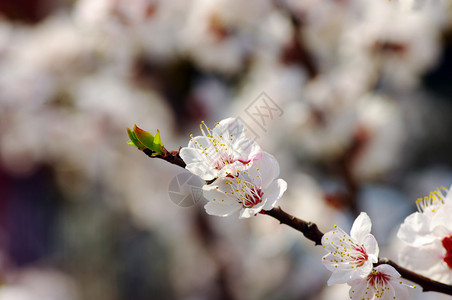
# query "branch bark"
(309, 229)
(172, 157)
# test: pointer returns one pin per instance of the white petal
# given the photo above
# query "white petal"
(334, 237)
(232, 169)
(371, 246)
(415, 230)
(221, 210)
(215, 192)
(424, 259)
(245, 149)
(197, 164)
(361, 227)
(329, 262)
(202, 170)
(326, 241)
(273, 193)
(400, 290)
(229, 131)
(264, 170)
(229, 126)
(338, 277)
(199, 142)
(358, 289)
(249, 212)
(190, 155)
(389, 292)
(442, 219)
(388, 270)
(362, 271)
(448, 198)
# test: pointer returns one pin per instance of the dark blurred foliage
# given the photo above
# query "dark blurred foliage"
(29, 210)
(28, 11)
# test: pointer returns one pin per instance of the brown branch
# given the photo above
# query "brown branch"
(172, 157)
(309, 230)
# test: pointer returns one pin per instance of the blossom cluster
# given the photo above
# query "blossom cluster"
(239, 175)
(351, 258)
(427, 235)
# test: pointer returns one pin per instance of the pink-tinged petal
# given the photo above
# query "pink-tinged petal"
(415, 230)
(264, 170)
(273, 193)
(361, 227)
(371, 246)
(221, 210)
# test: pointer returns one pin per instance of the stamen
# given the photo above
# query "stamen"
(431, 203)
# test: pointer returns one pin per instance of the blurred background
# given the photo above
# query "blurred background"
(352, 97)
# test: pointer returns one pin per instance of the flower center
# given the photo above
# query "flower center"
(361, 256)
(447, 244)
(253, 198)
(222, 160)
(377, 278)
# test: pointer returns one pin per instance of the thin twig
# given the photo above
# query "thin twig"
(172, 157)
(309, 230)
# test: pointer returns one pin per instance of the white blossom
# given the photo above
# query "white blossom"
(428, 235)
(383, 282)
(220, 151)
(250, 191)
(351, 256)
(417, 229)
